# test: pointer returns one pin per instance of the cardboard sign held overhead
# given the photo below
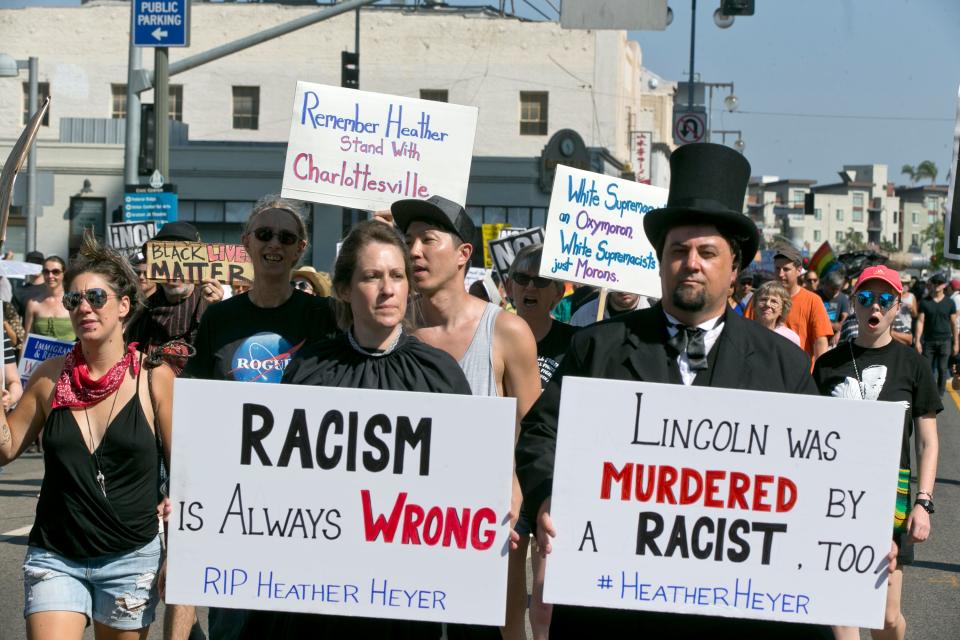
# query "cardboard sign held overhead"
(723, 502)
(198, 261)
(595, 234)
(505, 249)
(412, 521)
(366, 150)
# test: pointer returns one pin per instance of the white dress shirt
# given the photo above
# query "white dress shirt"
(713, 329)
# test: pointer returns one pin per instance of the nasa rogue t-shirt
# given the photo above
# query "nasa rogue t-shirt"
(238, 340)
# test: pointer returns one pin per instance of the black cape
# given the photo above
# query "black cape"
(411, 366)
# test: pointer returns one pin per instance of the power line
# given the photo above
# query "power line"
(842, 116)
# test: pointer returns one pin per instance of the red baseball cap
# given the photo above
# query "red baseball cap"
(880, 272)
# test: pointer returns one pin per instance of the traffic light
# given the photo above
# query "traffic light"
(148, 140)
(737, 7)
(349, 70)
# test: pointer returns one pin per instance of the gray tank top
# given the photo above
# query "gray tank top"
(477, 362)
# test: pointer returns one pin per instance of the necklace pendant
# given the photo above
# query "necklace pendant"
(100, 480)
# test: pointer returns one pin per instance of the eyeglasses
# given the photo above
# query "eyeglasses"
(303, 285)
(266, 234)
(96, 297)
(523, 280)
(52, 272)
(867, 298)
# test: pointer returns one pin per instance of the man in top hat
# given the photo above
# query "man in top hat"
(691, 337)
(174, 309)
(496, 351)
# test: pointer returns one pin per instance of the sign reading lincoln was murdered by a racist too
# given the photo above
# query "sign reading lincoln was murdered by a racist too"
(352, 502)
(595, 235)
(367, 150)
(198, 261)
(723, 502)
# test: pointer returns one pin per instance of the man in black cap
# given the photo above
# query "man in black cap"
(496, 351)
(31, 286)
(173, 311)
(691, 337)
(937, 329)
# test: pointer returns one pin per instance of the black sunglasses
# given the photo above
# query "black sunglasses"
(523, 280)
(303, 285)
(266, 234)
(52, 272)
(867, 298)
(96, 297)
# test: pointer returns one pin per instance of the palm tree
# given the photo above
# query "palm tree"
(908, 170)
(927, 169)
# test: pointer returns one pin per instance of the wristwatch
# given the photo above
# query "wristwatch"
(926, 504)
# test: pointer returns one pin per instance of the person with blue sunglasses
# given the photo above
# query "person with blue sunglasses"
(875, 366)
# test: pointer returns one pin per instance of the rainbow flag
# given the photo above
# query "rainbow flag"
(823, 259)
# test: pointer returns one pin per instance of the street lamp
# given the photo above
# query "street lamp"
(10, 68)
(738, 144)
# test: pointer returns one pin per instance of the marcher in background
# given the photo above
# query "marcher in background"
(835, 301)
(618, 303)
(810, 280)
(743, 292)
(31, 286)
(94, 549)
(936, 336)
(876, 367)
(13, 326)
(147, 287)
(46, 316)
(496, 350)
(773, 307)
(909, 307)
(311, 281)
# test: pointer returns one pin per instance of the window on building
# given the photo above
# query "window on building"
(931, 203)
(118, 101)
(816, 235)
(914, 240)
(915, 217)
(839, 236)
(176, 102)
(246, 107)
(896, 217)
(857, 215)
(858, 200)
(895, 239)
(43, 92)
(839, 215)
(437, 95)
(533, 113)
(932, 217)
(818, 214)
(798, 198)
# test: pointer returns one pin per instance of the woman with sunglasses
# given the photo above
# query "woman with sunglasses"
(46, 315)
(94, 551)
(874, 366)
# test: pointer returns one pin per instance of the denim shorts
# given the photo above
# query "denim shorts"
(118, 590)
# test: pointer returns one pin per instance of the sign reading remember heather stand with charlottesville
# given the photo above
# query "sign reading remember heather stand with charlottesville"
(366, 150)
(353, 502)
(595, 234)
(723, 502)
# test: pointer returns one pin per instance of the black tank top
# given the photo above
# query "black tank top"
(74, 518)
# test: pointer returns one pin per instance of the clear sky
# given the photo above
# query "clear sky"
(821, 83)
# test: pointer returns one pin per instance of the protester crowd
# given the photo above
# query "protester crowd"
(394, 314)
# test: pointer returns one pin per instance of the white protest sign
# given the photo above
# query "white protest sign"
(506, 248)
(595, 232)
(131, 235)
(20, 270)
(351, 502)
(366, 150)
(723, 502)
(36, 349)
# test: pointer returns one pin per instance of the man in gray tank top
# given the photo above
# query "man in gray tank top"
(496, 351)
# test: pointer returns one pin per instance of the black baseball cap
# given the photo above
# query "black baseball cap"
(938, 278)
(436, 210)
(33, 257)
(178, 231)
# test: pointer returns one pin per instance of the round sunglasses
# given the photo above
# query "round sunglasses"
(266, 234)
(867, 298)
(95, 297)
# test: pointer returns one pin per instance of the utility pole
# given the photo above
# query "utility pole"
(32, 106)
(693, 40)
(132, 138)
(161, 106)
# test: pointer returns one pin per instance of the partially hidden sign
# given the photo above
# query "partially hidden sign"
(366, 150)
(594, 232)
(198, 261)
(131, 235)
(36, 349)
(352, 502)
(505, 249)
(723, 502)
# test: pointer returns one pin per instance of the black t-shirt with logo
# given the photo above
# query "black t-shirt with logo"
(936, 319)
(550, 350)
(237, 340)
(893, 373)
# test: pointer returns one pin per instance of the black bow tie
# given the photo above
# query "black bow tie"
(689, 340)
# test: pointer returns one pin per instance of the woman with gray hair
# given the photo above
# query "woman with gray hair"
(773, 303)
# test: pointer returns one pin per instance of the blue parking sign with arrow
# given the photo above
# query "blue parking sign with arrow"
(161, 23)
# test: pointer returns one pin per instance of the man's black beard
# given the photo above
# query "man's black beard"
(696, 301)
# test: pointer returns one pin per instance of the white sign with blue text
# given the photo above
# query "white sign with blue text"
(366, 150)
(36, 349)
(724, 502)
(594, 232)
(380, 504)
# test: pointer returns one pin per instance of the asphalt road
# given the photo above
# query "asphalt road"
(931, 599)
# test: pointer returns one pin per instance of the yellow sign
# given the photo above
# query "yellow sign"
(491, 231)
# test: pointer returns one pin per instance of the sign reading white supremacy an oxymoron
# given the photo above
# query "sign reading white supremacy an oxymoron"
(350, 502)
(595, 234)
(723, 502)
(366, 150)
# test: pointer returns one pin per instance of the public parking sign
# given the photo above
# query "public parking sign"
(161, 23)
(142, 204)
(689, 125)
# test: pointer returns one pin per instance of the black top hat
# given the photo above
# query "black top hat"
(707, 186)
(436, 210)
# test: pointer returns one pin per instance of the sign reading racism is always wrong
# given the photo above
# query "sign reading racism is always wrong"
(366, 150)
(595, 235)
(198, 261)
(723, 502)
(351, 502)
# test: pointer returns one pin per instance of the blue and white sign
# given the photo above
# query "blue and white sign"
(161, 23)
(36, 350)
(142, 204)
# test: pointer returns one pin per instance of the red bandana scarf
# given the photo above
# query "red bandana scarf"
(75, 387)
